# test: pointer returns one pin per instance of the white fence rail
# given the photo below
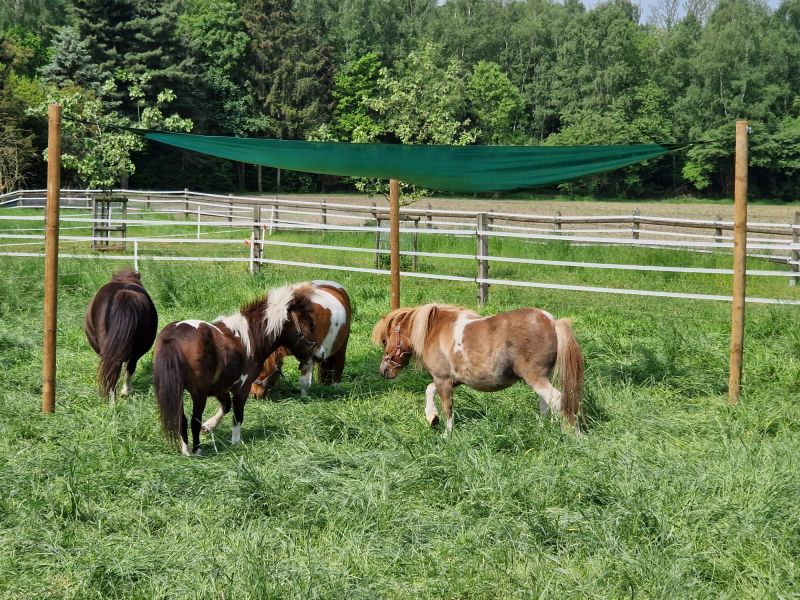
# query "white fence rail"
(260, 217)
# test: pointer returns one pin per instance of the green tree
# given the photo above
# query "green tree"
(70, 61)
(496, 103)
(290, 76)
(96, 147)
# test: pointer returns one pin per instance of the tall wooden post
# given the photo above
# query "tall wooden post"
(51, 258)
(739, 262)
(257, 229)
(483, 264)
(795, 255)
(394, 241)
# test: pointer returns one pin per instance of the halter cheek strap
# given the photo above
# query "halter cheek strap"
(312, 345)
(399, 353)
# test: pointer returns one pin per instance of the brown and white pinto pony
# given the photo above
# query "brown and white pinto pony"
(222, 358)
(120, 324)
(457, 346)
(330, 332)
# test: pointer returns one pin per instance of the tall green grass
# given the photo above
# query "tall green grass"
(672, 492)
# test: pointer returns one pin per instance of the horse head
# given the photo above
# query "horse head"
(392, 333)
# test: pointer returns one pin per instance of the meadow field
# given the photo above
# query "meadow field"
(672, 493)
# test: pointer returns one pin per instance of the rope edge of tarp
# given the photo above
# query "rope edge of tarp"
(669, 146)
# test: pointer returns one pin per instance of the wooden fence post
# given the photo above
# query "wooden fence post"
(636, 214)
(483, 263)
(557, 222)
(394, 241)
(230, 208)
(795, 254)
(718, 230)
(186, 203)
(257, 229)
(324, 212)
(428, 217)
(415, 245)
(51, 258)
(739, 262)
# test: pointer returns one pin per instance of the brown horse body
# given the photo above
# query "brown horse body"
(330, 314)
(223, 358)
(120, 324)
(457, 346)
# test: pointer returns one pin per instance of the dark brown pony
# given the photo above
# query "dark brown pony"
(120, 324)
(456, 346)
(330, 315)
(222, 358)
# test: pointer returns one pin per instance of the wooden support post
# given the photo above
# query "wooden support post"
(324, 213)
(186, 203)
(260, 187)
(794, 257)
(739, 262)
(394, 241)
(230, 208)
(636, 214)
(257, 229)
(718, 230)
(428, 217)
(51, 258)
(377, 235)
(558, 222)
(483, 264)
(416, 246)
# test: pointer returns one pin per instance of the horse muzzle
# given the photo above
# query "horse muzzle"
(387, 371)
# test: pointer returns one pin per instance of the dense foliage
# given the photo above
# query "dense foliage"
(418, 71)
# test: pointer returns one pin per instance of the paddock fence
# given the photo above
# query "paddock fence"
(243, 229)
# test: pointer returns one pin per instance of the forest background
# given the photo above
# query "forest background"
(411, 71)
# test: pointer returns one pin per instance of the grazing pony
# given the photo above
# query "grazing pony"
(330, 331)
(222, 358)
(120, 324)
(456, 346)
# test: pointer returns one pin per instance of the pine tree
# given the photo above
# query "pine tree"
(70, 61)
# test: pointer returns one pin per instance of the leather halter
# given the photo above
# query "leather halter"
(263, 382)
(399, 352)
(312, 345)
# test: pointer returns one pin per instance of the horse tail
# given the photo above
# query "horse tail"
(117, 344)
(168, 369)
(569, 369)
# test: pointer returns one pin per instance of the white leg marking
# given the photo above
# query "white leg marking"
(431, 414)
(186, 451)
(112, 397)
(448, 426)
(209, 425)
(236, 434)
(126, 389)
(549, 398)
(306, 374)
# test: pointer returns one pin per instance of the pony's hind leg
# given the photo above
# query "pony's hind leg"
(198, 406)
(549, 396)
(331, 368)
(129, 369)
(224, 409)
(431, 414)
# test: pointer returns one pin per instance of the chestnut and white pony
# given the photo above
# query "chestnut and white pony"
(330, 316)
(222, 358)
(457, 346)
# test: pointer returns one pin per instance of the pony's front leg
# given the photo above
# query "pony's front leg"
(239, 400)
(445, 390)
(224, 409)
(431, 414)
(306, 374)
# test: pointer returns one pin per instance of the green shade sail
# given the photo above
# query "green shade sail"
(450, 168)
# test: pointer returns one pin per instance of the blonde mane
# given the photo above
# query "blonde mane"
(276, 312)
(415, 321)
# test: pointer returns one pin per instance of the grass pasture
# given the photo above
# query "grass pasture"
(671, 494)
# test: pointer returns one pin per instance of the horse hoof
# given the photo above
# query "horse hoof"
(205, 428)
(433, 420)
